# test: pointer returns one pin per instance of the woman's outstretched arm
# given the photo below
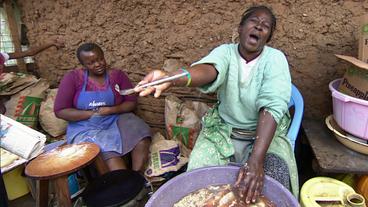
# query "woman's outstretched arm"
(35, 50)
(200, 75)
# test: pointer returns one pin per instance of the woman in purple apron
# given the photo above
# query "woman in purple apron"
(97, 113)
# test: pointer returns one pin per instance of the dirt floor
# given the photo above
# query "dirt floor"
(141, 34)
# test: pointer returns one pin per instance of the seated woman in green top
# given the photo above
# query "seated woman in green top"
(249, 125)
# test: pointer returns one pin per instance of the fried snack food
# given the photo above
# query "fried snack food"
(219, 196)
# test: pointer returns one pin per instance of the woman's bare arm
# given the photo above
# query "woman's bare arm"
(201, 74)
(72, 114)
(35, 50)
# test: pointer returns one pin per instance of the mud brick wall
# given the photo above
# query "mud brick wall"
(138, 35)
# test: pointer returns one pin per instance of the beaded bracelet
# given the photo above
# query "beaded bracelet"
(189, 81)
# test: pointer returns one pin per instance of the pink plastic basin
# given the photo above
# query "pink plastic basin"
(350, 113)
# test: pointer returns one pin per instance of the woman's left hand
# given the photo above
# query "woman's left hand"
(249, 183)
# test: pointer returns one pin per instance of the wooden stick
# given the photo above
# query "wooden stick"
(14, 33)
(62, 191)
(42, 194)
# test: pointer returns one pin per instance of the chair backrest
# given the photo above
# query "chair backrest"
(297, 102)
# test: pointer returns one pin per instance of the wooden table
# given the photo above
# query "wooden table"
(56, 165)
(331, 155)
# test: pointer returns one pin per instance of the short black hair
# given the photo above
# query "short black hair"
(253, 9)
(87, 47)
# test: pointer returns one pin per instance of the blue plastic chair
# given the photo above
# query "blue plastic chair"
(297, 102)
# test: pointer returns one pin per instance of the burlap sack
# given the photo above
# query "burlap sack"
(172, 64)
(49, 122)
(183, 119)
(165, 156)
(12, 83)
(24, 106)
(6, 79)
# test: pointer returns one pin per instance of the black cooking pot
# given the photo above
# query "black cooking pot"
(113, 188)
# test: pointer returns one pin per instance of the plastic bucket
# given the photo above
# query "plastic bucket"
(178, 187)
(350, 113)
(73, 184)
(15, 184)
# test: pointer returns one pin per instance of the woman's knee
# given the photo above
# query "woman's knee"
(278, 169)
(203, 154)
(144, 143)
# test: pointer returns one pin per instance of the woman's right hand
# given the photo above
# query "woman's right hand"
(249, 184)
(157, 89)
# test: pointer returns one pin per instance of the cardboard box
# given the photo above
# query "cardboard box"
(363, 39)
(355, 80)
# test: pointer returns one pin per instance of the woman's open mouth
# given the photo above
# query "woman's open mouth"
(253, 38)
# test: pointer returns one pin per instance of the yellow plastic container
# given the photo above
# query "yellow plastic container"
(15, 184)
(324, 189)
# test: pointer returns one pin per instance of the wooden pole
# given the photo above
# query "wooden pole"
(42, 195)
(14, 33)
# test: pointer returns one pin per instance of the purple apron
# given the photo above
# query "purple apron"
(102, 130)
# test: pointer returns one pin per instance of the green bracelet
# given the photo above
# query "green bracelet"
(189, 81)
